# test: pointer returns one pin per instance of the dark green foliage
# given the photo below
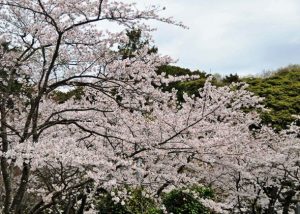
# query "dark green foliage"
(142, 205)
(9, 83)
(12, 84)
(62, 97)
(15, 85)
(231, 78)
(190, 87)
(105, 205)
(179, 201)
(137, 204)
(281, 91)
(178, 71)
(136, 42)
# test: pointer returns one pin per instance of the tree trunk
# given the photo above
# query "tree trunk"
(4, 163)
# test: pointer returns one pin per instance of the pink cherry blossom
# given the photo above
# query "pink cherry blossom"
(123, 129)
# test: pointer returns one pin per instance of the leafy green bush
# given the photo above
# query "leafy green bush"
(186, 201)
(138, 203)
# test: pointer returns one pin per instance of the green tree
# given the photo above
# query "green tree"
(135, 42)
(231, 78)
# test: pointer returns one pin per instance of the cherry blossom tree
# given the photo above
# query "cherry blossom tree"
(122, 130)
(257, 172)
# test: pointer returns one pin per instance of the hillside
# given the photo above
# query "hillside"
(280, 88)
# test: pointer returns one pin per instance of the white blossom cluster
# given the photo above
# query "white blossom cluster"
(122, 129)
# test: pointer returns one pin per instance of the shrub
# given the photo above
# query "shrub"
(186, 201)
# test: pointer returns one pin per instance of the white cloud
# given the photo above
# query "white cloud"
(231, 36)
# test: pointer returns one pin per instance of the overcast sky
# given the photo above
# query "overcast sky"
(231, 36)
